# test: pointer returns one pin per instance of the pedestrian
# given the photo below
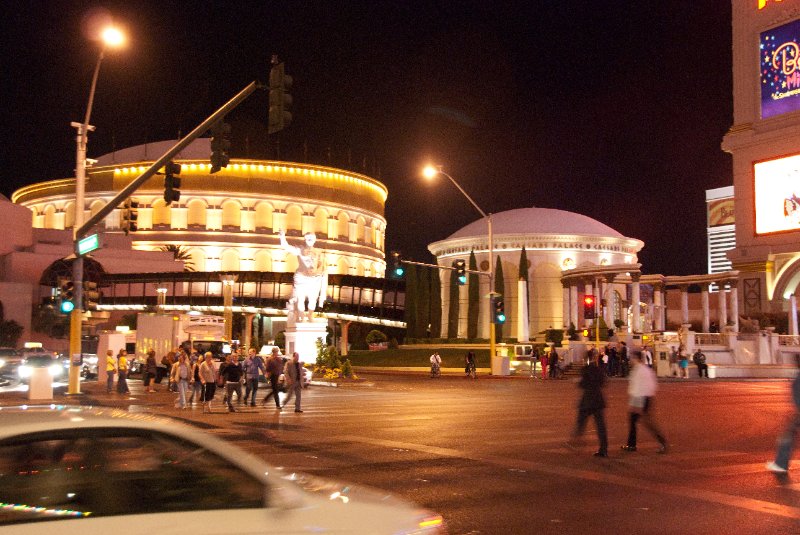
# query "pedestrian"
(785, 442)
(122, 370)
(469, 365)
(253, 368)
(642, 386)
(545, 360)
(232, 373)
(647, 356)
(150, 370)
(436, 364)
(181, 375)
(208, 378)
(274, 370)
(699, 360)
(674, 357)
(196, 385)
(111, 370)
(683, 364)
(293, 375)
(553, 362)
(592, 403)
(624, 360)
(613, 361)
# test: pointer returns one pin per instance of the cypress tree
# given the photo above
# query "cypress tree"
(436, 304)
(411, 300)
(523, 275)
(474, 295)
(499, 287)
(452, 312)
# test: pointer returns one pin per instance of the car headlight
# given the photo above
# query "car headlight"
(24, 371)
(56, 370)
(2, 363)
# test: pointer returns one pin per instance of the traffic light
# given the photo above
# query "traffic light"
(90, 295)
(220, 145)
(279, 98)
(461, 272)
(588, 307)
(498, 309)
(130, 215)
(396, 269)
(172, 183)
(66, 295)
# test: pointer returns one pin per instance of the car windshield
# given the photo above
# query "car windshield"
(40, 360)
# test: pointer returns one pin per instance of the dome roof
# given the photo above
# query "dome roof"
(538, 221)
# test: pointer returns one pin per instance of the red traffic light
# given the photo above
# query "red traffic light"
(588, 300)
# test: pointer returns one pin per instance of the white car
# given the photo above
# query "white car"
(79, 471)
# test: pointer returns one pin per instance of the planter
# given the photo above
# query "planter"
(379, 346)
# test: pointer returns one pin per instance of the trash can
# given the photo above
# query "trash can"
(501, 361)
(41, 384)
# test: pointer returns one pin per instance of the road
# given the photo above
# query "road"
(488, 453)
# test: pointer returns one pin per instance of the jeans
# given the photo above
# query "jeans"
(197, 388)
(110, 380)
(294, 389)
(786, 441)
(647, 421)
(183, 388)
(275, 391)
(122, 383)
(250, 390)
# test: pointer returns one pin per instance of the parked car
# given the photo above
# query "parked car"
(68, 470)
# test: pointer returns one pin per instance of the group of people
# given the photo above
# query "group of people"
(679, 362)
(642, 386)
(191, 375)
(614, 360)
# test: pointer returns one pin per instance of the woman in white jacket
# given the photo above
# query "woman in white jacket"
(642, 386)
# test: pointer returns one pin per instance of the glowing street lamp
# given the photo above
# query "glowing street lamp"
(111, 37)
(432, 171)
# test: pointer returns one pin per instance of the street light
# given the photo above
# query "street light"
(432, 171)
(111, 37)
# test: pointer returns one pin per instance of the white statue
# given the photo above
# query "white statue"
(310, 279)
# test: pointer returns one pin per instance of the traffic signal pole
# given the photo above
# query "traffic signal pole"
(81, 230)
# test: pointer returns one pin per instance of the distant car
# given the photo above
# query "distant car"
(75, 471)
(89, 365)
(55, 366)
(9, 361)
(307, 374)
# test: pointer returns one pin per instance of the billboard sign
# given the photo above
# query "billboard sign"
(777, 186)
(780, 69)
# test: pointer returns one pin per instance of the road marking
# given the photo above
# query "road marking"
(760, 506)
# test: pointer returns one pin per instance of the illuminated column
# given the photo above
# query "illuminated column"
(636, 309)
(792, 315)
(721, 303)
(565, 303)
(658, 304)
(308, 223)
(248, 330)
(227, 303)
(343, 343)
(573, 304)
(248, 223)
(684, 304)
(463, 304)
(332, 223)
(704, 300)
(608, 310)
(278, 220)
(161, 297)
(734, 304)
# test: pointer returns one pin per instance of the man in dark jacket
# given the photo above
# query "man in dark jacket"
(592, 404)
(786, 440)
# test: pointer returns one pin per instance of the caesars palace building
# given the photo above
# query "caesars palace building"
(228, 221)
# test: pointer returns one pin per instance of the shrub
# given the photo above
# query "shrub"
(376, 337)
(393, 343)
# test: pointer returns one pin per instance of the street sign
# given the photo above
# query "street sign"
(88, 244)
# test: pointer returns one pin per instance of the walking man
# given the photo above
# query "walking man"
(642, 386)
(253, 368)
(293, 374)
(274, 370)
(786, 440)
(232, 373)
(592, 404)
(181, 376)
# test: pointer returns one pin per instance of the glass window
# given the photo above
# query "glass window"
(102, 472)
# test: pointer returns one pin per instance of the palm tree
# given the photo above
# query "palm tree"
(179, 254)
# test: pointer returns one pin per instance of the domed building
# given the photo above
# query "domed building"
(228, 221)
(555, 242)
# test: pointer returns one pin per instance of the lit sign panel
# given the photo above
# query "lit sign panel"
(777, 185)
(720, 212)
(780, 72)
(763, 3)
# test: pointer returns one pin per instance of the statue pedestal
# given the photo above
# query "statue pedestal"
(302, 337)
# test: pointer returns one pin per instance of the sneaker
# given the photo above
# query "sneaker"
(772, 466)
(628, 448)
(600, 454)
(297, 410)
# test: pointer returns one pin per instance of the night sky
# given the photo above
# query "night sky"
(611, 109)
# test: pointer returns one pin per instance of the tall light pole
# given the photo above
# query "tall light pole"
(110, 37)
(432, 171)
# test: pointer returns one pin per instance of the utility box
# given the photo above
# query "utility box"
(40, 386)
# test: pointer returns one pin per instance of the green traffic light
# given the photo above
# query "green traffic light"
(501, 318)
(399, 271)
(67, 306)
